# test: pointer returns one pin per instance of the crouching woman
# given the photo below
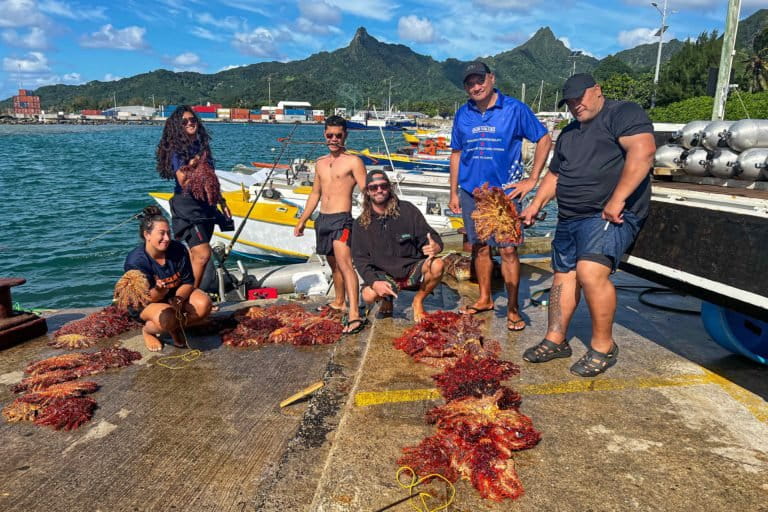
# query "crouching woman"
(174, 301)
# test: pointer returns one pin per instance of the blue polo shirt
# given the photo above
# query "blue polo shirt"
(491, 142)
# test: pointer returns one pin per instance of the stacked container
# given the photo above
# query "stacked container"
(25, 104)
(241, 114)
(223, 113)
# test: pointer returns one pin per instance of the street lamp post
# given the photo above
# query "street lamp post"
(659, 33)
(574, 55)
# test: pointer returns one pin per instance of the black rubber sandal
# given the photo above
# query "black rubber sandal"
(547, 350)
(361, 324)
(594, 363)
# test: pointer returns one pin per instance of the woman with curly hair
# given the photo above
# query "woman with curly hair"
(184, 142)
(174, 301)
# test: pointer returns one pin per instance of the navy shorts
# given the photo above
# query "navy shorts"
(330, 227)
(467, 203)
(593, 239)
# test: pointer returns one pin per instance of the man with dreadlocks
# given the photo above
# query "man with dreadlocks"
(393, 248)
(183, 143)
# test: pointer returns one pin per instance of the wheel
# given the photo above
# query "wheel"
(736, 332)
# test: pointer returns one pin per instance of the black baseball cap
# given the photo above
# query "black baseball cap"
(374, 175)
(475, 68)
(575, 86)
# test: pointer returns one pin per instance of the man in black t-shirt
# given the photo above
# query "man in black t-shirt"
(600, 175)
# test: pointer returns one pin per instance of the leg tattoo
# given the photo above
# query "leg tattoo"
(555, 311)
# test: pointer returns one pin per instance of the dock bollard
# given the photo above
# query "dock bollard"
(16, 326)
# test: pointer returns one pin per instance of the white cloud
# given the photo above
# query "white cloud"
(231, 66)
(319, 12)
(260, 42)
(20, 13)
(204, 33)
(188, 61)
(566, 42)
(128, 38)
(228, 23)
(636, 36)
(73, 78)
(413, 28)
(383, 10)
(35, 62)
(109, 77)
(500, 5)
(35, 39)
(72, 12)
(247, 5)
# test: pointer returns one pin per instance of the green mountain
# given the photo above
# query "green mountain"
(643, 57)
(750, 27)
(363, 73)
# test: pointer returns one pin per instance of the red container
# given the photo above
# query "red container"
(202, 108)
(22, 92)
(90, 112)
(262, 293)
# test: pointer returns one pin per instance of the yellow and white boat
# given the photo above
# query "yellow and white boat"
(268, 231)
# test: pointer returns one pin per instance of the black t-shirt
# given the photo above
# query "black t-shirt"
(176, 271)
(390, 245)
(588, 161)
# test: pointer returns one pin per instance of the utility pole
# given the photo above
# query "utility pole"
(726, 59)
(389, 96)
(269, 90)
(522, 94)
(541, 93)
(659, 33)
(574, 55)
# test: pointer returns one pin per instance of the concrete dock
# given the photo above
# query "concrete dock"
(678, 424)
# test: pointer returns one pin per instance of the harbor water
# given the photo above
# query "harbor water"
(64, 186)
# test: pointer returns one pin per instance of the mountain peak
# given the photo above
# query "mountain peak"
(361, 37)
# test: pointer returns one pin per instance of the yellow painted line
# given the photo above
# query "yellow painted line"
(753, 403)
(367, 398)
(582, 386)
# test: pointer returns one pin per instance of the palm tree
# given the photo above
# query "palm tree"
(757, 71)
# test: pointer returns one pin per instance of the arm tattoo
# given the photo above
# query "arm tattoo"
(555, 310)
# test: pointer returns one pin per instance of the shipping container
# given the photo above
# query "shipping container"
(206, 115)
(255, 112)
(223, 110)
(279, 111)
(90, 112)
(295, 112)
(318, 112)
(168, 109)
(202, 108)
(319, 119)
(239, 113)
(22, 92)
(254, 117)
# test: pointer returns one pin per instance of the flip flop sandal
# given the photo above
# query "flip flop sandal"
(361, 324)
(325, 307)
(547, 350)
(594, 363)
(515, 325)
(472, 310)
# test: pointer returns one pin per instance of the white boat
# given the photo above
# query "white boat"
(268, 232)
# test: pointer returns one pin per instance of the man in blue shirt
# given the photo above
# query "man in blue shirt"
(487, 138)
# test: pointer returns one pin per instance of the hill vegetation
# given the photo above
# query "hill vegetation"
(361, 74)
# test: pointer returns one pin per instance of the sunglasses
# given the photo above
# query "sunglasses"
(334, 136)
(188, 120)
(378, 186)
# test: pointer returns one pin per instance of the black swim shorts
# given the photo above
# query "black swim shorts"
(330, 227)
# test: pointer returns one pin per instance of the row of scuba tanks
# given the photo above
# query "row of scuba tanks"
(725, 149)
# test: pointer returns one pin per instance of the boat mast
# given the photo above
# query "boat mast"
(726, 59)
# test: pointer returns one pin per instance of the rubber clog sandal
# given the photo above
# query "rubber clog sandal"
(594, 363)
(547, 350)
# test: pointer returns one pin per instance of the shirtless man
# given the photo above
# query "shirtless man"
(335, 177)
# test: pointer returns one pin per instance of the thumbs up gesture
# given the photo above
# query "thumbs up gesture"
(431, 248)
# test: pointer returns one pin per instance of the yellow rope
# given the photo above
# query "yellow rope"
(186, 357)
(423, 496)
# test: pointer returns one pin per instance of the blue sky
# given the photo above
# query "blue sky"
(75, 41)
